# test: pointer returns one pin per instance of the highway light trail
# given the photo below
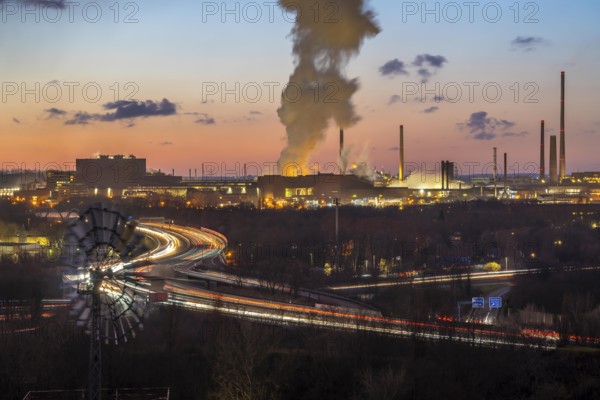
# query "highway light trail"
(168, 243)
(491, 275)
(184, 248)
(273, 311)
(308, 316)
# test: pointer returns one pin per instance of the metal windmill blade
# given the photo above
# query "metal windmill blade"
(122, 306)
(109, 300)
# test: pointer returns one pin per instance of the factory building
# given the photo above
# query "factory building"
(586, 177)
(121, 176)
(320, 187)
(110, 172)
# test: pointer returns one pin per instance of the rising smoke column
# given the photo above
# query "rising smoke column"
(325, 37)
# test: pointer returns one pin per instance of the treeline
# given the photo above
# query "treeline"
(573, 298)
(218, 358)
(29, 280)
(374, 241)
(423, 302)
(384, 240)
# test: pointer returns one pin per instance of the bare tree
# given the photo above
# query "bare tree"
(241, 370)
(388, 384)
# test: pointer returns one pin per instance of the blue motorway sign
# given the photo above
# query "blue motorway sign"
(478, 302)
(495, 302)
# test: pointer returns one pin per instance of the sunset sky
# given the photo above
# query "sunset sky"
(175, 50)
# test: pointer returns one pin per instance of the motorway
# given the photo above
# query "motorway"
(434, 279)
(198, 254)
(186, 252)
(440, 279)
(489, 315)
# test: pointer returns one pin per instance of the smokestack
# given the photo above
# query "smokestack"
(553, 166)
(505, 192)
(342, 158)
(542, 153)
(401, 156)
(173, 171)
(449, 173)
(495, 172)
(190, 173)
(563, 160)
(341, 143)
(444, 175)
(321, 53)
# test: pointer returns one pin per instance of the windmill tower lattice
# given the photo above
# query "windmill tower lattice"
(110, 299)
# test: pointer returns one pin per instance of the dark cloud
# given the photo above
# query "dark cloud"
(394, 99)
(425, 74)
(484, 136)
(51, 3)
(526, 43)
(55, 113)
(126, 110)
(593, 131)
(16, 121)
(205, 119)
(428, 64)
(252, 116)
(431, 110)
(483, 127)
(434, 99)
(395, 148)
(166, 143)
(392, 68)
(515, 134)
(81, 118)
(428, 59)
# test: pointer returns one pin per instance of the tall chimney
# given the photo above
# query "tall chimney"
(341, 142)
(342, 162)
(542, 153)
(553, 166)
(401, 156)
(563, 160)
(449, 173)
(495, 172)
(505, 191)
(444, 175)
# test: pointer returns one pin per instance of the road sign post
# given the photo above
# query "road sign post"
(495, 302)
(460, 303)
(478, 302)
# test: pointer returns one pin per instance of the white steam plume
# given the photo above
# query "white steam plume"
(325, 37)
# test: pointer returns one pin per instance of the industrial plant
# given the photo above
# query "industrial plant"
(299, 200)
(126, 176)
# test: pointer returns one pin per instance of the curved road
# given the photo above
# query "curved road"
(184, 249)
